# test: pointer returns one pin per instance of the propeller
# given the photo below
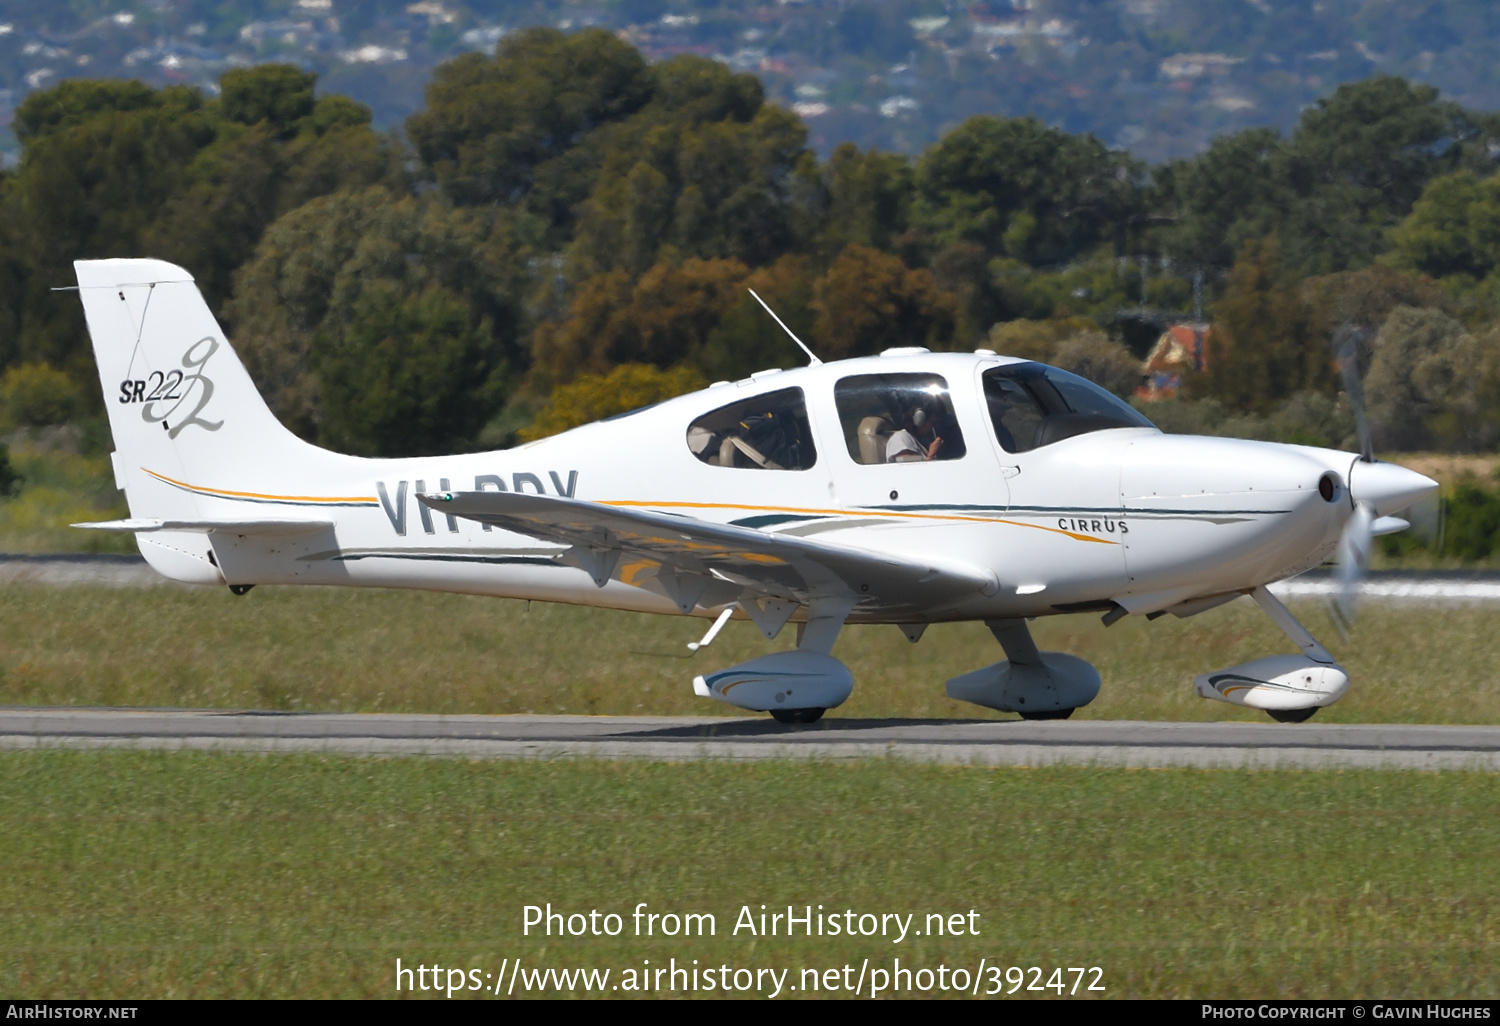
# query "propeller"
(1353, 560)
(1377, 490)
(1358, 538)
(1346, 348)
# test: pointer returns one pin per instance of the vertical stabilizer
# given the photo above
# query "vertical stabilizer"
(193, 437)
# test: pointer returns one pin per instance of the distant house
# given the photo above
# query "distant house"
(1179, 348)
(1196, 65)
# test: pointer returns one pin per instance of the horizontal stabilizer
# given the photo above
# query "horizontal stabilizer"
(243, 527)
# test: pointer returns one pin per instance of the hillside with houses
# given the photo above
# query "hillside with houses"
(1159, 78)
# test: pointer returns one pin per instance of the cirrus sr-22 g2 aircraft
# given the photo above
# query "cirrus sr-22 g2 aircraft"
(908, 489)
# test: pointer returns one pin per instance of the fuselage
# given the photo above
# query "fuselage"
(1083, 512)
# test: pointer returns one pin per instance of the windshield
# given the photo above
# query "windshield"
(1032, 405)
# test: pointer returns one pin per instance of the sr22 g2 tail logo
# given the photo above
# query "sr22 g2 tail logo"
(164, 393)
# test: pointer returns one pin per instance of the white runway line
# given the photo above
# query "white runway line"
(1401, 589)
(109, 571)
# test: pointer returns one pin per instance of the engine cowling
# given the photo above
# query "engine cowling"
(1276, 682)
(782, 680)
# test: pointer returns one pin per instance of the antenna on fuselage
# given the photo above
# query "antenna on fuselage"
(802, 345)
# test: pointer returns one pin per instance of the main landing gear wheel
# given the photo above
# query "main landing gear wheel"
(1292, 715)
(798, 715)
(1051, 714)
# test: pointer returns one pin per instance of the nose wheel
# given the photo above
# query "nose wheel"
(1050, 714)
(1291, 715)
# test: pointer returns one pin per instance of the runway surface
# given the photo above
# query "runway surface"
(960, 742)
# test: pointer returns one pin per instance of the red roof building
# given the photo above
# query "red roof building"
(1179, 348)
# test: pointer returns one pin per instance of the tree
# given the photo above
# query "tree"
(89, 185)
(1333, 191)
(1453, 230)
(76, 100)
(591, 397)
(747, 339)
(14, 287)
(1365, 298)
(278, 95)
(1473, 522)
(1360, 159)
(663, 318)
(1230, 192)
(1105, 362)
(250, 177)
(869, 198)
(1034, 339)
(35, 395)
(301, 319)
(1360, 301)
(10, 480)
(1018, 188)
(705, 170)
(869, 301)
(513, 129)
(1432, 384)
(1262, 348)
(409, 374)
(119, 169)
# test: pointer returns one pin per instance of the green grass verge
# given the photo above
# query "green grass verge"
(380, 651)
(60, 487)
(139, 874)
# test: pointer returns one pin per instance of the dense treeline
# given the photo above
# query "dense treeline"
(565, 229)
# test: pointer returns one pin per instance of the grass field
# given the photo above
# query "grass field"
(198, 874)
(371, 651)
(60, 486)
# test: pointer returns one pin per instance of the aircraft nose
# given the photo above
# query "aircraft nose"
(1386, 487)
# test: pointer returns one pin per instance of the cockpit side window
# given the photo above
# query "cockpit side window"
(767, 432)
(898, 418)
(1032, 405)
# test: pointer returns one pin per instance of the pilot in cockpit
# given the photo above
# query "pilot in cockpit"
(918, 440)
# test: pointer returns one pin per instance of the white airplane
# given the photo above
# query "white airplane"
(908, 489)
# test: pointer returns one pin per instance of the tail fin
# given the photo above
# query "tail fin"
(185, 415)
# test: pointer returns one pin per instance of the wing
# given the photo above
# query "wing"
(700, 563)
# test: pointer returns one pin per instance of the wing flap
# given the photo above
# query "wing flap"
(772, 565)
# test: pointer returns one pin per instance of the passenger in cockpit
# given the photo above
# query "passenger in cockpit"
(918, 439)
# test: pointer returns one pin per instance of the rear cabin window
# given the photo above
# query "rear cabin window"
(1032, 405)
(768, 432)
(898, 418)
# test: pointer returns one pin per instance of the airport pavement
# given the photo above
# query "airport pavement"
(960, 742)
